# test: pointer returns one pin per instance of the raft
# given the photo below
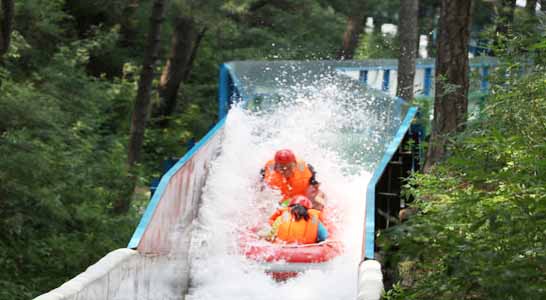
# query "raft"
(285, 260)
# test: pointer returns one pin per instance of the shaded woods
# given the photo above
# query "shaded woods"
(94, 95)
(72, 75)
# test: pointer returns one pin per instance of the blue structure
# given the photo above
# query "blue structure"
(377, 73)
(394, 130)
(484, 86)
(380, 186)
(386, 79)
(175, 205)
(428, 82)
(363, 76)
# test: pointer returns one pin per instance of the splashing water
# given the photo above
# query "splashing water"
(329, 127)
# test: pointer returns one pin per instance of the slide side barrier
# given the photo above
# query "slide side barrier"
(155, 264)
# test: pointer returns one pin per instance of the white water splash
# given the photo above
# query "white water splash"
(313, 124)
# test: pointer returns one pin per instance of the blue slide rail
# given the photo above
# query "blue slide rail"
(156, 197)
(369, 243)
(424, 76)
(175, 203)
(229, 90)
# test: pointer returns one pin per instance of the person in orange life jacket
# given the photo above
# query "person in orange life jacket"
(292, 177)
(297, 223)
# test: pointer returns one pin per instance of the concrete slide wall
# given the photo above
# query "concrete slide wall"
(158, 268)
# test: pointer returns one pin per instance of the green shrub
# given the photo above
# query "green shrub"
(480, 230)
(61, 166)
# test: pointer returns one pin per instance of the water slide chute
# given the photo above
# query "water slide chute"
(159, 265)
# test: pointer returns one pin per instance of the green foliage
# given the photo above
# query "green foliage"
(66, 92)
(61, 167)
(424, 114)
(185, 129)
(96, 12)
(378, 45)
(482, 213)
(521, 45)
(296, 30)
(43, 24)
(56, 187)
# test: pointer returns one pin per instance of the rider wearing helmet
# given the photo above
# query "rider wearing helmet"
(298, 223)
(292, 177)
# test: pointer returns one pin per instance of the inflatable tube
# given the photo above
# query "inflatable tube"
(264, 251)
(286, 260)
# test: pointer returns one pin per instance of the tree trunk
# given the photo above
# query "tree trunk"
(427, 18)
(377, 24)
(431, 44)
(505, 15)
(196, 45)
(408, 34)
(355, 26)
(451, 102)
(7, 26)
(356, 17)
(128, 24)
(184, 44)
(142, 101)
(531, 7)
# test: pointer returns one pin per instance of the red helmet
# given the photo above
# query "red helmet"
(301, 200)
(285, 156)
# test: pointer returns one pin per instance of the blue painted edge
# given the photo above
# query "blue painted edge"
(386, 79)
(235, 79)
(363, 76)
(237, 84)
(427, 81)
(148, 214)
(485, 81)
(223, 91)
(395, 67)
(226, 73)
(370, 193)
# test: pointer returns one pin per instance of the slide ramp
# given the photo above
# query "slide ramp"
(183, 246)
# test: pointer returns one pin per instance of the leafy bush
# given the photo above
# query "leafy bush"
(378, 45)
(482, 213)
(60, 170)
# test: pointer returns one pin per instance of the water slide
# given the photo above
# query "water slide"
(339, 117)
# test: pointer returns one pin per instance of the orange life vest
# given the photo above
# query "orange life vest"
(302, 231)
(280, 211)
(296, 184)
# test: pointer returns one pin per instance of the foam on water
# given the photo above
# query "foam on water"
(312, 124)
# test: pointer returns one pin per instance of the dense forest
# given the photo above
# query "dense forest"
(95, 95)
